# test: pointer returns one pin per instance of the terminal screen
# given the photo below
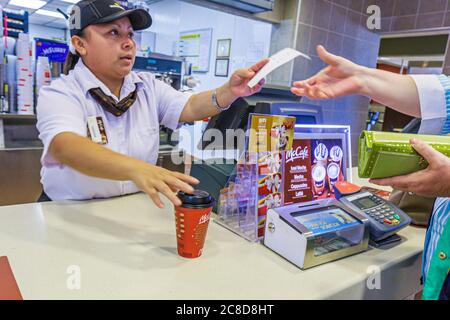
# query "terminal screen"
(365, 203)
(329, 219)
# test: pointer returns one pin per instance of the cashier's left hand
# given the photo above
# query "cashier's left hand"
(434, 181)
(240, 78)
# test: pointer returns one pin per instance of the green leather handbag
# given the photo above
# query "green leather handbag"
(388, 154)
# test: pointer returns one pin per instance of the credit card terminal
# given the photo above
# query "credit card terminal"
(385, 219)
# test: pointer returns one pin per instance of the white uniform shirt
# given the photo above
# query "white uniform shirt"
(65, 106)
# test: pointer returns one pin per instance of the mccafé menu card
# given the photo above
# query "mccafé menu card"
(8, 285)
(311, 169)
(297, 173)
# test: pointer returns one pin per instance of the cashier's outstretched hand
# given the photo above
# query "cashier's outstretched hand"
(340, 78)
(434, 181)
(240, 78)
(154, 180)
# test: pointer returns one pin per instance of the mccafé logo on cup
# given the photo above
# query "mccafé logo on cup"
(192, 220)
(204, 218)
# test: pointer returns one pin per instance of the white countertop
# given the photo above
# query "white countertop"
(126, 249)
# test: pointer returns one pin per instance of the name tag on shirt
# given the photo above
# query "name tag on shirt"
(96, 130)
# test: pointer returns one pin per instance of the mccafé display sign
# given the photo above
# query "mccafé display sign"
(311, 169)
(283, 163)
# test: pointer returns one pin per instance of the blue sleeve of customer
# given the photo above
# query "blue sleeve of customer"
(445, 81)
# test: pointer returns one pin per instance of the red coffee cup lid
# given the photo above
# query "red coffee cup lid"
(198, 199)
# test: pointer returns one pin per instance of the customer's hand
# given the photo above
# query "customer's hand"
(434, 181)
(241, 77)
(154, 180)
(341, 77)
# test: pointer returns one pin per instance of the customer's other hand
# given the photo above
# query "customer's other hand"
(341, 77)
(434, 181)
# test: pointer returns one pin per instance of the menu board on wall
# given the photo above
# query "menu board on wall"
(195, 46)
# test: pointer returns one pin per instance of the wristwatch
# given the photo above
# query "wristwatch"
(216, 104)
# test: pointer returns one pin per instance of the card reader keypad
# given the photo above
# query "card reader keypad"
(383, 213)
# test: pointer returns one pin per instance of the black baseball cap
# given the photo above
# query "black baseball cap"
(88, 12)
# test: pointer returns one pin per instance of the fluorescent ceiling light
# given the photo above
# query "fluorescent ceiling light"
(70, 1)
(31, 4)
(54, 14)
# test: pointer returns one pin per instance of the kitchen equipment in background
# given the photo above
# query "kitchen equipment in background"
(189, 82)
(165, 68)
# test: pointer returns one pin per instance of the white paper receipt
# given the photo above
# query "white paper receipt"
(277, 60)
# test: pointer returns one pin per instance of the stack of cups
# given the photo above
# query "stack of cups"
(43, 74)
(25, 96)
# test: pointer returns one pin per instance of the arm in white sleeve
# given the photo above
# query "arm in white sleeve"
(58, 110)
(433, 105)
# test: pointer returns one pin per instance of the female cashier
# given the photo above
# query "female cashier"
(100, 123)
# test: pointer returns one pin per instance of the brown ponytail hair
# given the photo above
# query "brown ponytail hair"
(71, 59)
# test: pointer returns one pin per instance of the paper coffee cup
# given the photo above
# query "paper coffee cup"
(192, 220)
